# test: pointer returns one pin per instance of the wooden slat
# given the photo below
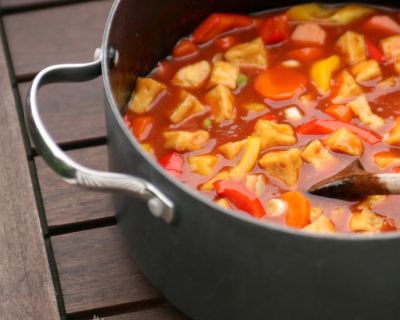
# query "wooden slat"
(17, 4)
(66, 204)
(96, 271)
(164, 313)
(71, 112)
(58, 35)
(26, 289)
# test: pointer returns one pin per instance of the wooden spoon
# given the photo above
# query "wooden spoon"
(353, 183)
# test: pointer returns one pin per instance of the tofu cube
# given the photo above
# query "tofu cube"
(391, 47)
(344, 141)
(384, 159)
(146, 92)
(362, 110)
(204, 164)
(393, 138)
(192, 76)
(366, 70)
(316, 154)
(322, 225)
(188, 106)
(273, 134)
(283, 165)
(309, 33)
(366, 221)
(347, 87)
(231, 150)
(185, 140)
(224, 73)
(221, 99)
(248, 55)
(352, 46)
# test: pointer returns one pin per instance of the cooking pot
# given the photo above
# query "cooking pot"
(210, 262)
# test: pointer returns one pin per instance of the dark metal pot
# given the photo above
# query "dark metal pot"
(212, 263)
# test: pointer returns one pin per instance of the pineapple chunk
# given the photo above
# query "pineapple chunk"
(348, 87)
(291, 63)
(384, 159)
(273, 134)
(366, 221)
(315, 213)
(293, 114)
(362, 110)
(393, 137)
(248, 55)
(209, 185)
(254, 107)
(146, 92)
(230, 150)
(147, 147)
(185, 140)
(204, 164)
(188, 106)
(224, 73)
(310, 33)
(192, 76)
(344, 141)
(220, 99)
(352, 45)
(255, 183)
(321, 225)
(388, 83)
(391, 47)
(316, 154)
(276, 208)
(366, 70)
(224, 203)
(283, 165)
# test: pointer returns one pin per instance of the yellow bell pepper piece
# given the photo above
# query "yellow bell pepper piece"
(203, 165)
(147, 148)
(322, 70)
(249, 159)
(315, 12)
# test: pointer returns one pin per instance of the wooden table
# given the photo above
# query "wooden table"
(61, 253)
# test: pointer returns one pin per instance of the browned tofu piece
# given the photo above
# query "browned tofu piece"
(248, 55)
(315, 213)
(146, 92)
(203, 164)
(352, 46)
(273, 134)
(344, 141)
(255, 183)
(366, 70)
(322, 225)
(254, 107)
(366, 221)
(384, 159)
(224, 73)
(188, 106)
(393, 137)
(186, 140)
(388, 83)
(347, 87)
(192, 76)
(231, 150)
(316, 154)
(283, 165)
(221, 99)
(310, 33)
(209, 185)
(391, 47)
(362, 110)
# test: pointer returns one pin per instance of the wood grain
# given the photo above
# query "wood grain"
(65, 204)
(63, 34)
(18, 4)
(163, 312)
(96, 271)
(26, 289)
(72, 113)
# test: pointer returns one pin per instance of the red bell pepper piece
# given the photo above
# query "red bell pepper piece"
(173, 163)
(218, 23)
(373, 52)
(396, 169)
(225, 43)
(319, 126)
(141, 127)
(269, 117)
(274, 30)
(184, 48)
(241, 197)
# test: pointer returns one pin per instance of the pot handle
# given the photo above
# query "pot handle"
(72, 172)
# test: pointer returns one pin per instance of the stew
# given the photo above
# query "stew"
(251, 110)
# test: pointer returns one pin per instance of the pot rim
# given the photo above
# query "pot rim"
(197, 195)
